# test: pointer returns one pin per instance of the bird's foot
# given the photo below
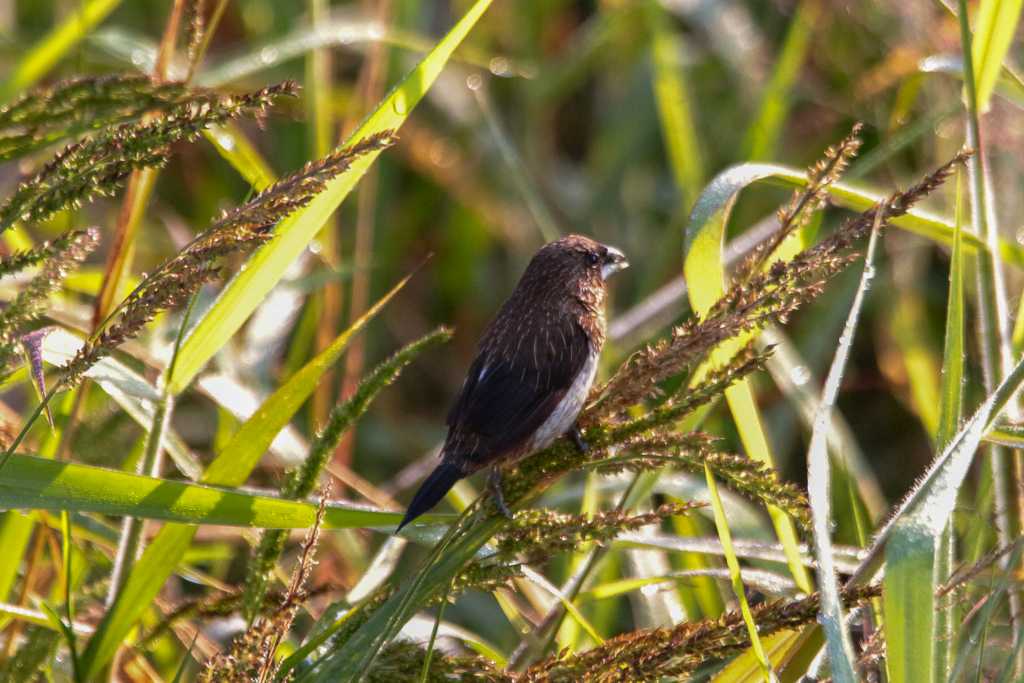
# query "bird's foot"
(577, 438)
(494, 486)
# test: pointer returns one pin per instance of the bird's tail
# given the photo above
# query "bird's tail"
(432, 490)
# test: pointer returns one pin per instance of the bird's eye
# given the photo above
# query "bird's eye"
(593, 258)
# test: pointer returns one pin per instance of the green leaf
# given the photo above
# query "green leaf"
(780, 647)
(704, 271)
(31, 482)
(45, 54)
(766, 129)
(267, 266)
(232, 144)
(254, 437)
(721, 193)
(908, 599)
(994, 29)
(230, 468)
(932, 500)
(722, 525)
(674, 106)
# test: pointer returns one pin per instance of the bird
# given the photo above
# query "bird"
(535, 364)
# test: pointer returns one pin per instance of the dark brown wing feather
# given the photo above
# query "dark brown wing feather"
(512, 388)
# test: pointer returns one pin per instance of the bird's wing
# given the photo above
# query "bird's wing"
(508, 395)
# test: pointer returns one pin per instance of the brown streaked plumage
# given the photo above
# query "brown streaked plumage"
(534, 367)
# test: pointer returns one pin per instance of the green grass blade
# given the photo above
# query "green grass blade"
(267, 266)
(766, 129)
(933, 499)
(45, 54)
(950, 414)
(780, 648)
(253, 438)
(853, 196)
(722, 525)
(232, 144)
(704, 270)
(993, 307)
(994, 29)
(15, 531)
(674, 109)
(230, 468)
(908, 603)
(37, 483)
(837, 638)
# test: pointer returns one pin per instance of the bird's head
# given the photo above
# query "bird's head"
(580, 259)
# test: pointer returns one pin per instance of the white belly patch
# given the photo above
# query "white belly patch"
(568, 409)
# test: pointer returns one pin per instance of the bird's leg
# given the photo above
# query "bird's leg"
(494, 486)
(577, 438)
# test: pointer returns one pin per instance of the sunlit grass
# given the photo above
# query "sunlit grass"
(686, 541)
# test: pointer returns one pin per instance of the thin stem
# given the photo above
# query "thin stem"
(425, 673)
(993, 312)
(130, 545)
(204, 44)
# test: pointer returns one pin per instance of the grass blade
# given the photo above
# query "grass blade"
(993, 308)
(766, 129)
(933, 499)
(994, 29)
(722, 525)
(130, 390)
(230, 468)
(45, 54)
(704, 270)
(252, 439)
(856, 197)
(950, 413)
(267, 266)
(37, 483)
(674, 110)
(840, 649)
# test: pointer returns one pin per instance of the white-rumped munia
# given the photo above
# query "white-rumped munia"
(533, 371)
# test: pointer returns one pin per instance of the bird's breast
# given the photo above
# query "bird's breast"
(567, 410)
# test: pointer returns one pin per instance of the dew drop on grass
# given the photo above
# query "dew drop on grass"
(800, 375)
(226, 141)
(499, 66)
(474, 81)
(268, 55)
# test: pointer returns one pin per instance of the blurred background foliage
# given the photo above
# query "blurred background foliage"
(553, 117)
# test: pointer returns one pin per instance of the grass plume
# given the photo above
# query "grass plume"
(57, 257)
(303, 479)
(45, 115)
(95, 166)
(252, 655)
(237, 231)
(651, 654)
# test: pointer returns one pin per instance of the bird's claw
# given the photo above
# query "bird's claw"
(577, 438)
(494, 486)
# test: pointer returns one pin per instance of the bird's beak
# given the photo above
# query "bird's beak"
(613, 263)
